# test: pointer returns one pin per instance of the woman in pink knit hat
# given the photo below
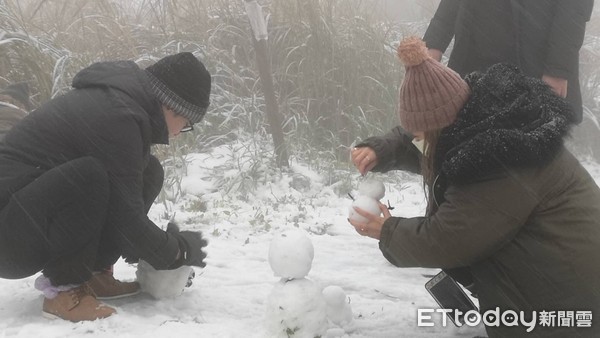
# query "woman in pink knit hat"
(511, 214)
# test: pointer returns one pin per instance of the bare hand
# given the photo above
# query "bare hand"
(371, 228)
(558, 85)
(435, 54)
(364, 159)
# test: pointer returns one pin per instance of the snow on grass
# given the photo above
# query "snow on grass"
(228, 297)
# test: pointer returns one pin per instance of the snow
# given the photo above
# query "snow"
(372, 188)
(230, 296)
(370, 191)
(162, 283)
(366, 203)
(296, 307)
(339, 310)
(257, 20)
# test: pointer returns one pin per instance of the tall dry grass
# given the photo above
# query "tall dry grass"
(333, 62)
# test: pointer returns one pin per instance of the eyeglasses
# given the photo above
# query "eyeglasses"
(188, 127)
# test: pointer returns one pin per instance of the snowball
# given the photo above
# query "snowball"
(296, 308)
(372, 188)
(339, 311)
(335, 332)
(367, 204)
(162, 283)
(291, 254)
(334, 296)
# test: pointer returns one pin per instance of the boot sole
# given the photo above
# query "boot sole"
(50, 316)
(118, 296)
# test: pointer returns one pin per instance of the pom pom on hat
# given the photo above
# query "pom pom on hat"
(431, 94)
(412, 51)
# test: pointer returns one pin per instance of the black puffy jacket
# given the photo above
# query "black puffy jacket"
(112, 115)
(541, 37)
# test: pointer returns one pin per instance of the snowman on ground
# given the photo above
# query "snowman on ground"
(339, 311)
(370, 191)
(295, 307)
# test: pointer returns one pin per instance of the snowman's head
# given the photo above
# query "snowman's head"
(291, 254)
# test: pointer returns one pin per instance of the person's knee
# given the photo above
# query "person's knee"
(91, 165)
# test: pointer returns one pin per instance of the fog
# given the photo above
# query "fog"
(273, 149)
(332, 62)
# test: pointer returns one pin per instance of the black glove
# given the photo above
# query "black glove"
(190, 246)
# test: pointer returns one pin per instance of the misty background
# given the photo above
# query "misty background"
(333, 64)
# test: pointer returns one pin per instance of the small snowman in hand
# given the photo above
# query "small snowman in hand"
(295, 307)
(369, 193)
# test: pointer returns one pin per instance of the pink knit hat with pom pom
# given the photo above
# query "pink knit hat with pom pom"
(431, 94)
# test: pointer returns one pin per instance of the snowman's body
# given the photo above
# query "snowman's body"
(365, 203)
(296, 308)
(369, 194)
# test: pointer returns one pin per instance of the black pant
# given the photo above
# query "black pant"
(57, 223)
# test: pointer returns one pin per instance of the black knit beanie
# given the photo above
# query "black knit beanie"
(182, 83)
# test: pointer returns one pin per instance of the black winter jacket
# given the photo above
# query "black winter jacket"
(113, 116)
(539, 36)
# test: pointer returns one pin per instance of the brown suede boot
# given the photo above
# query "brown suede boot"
(76, 305)
(105, 286)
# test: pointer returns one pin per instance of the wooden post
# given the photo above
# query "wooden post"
(263, 62)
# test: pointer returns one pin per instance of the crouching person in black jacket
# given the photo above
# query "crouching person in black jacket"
(77, 180)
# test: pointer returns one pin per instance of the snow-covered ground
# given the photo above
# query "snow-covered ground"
(228, 298)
